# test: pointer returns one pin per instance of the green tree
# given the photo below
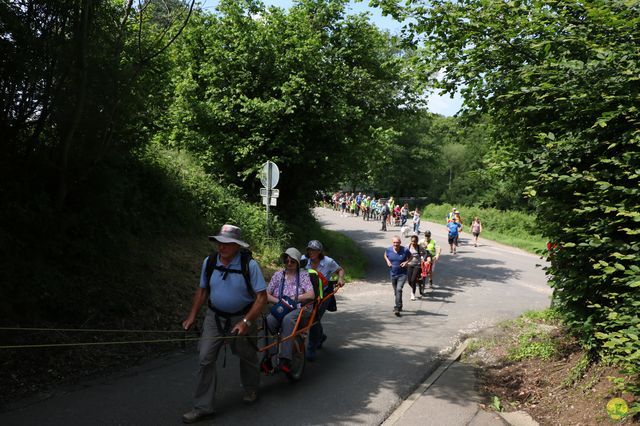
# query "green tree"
(81, 85)
(311, 89)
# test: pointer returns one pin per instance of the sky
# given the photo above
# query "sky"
(443, 105)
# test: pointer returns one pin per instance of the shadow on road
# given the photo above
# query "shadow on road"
(336, 388)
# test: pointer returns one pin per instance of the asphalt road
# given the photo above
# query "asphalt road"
(371, 361)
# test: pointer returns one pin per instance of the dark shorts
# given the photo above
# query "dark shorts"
(475, 234)
(452, 239)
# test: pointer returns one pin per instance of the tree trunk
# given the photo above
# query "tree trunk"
(81, 63)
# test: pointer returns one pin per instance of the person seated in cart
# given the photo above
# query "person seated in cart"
(288, 290)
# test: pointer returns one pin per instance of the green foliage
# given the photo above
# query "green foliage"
(560, 83)
(309, 88)
(544, 316)
(102, 261)
(577, 371)
(444, 159)
(496, 404)
(535, 337)
(533, 344)
(216, 203)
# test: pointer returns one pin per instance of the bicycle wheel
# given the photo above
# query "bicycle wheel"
(297, 359)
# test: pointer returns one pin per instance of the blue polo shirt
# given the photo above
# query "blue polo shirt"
(396, 259)
(229, 294)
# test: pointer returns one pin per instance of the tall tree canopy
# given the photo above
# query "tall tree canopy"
(310, 88)
(79, 79)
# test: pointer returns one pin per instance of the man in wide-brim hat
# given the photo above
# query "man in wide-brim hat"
(234, 287)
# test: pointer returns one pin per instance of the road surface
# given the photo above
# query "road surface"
(371, 361)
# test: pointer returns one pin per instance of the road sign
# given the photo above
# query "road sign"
(270, 175)
(273, 201)
(274, 192)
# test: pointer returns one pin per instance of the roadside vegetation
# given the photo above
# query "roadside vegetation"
(534, 364)
(513, 228)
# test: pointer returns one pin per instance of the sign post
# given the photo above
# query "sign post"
(269, 177)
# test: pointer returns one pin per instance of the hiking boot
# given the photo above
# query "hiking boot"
(396, 312)
(194, 416)
(250, 396)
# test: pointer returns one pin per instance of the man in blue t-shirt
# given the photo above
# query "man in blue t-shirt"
(397, 258)
(454, 231)
(233, 308)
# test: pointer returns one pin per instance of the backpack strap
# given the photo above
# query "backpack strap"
(318, 281)
(281, 295)
(245, 258)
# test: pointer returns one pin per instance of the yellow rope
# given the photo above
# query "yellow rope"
(91, 330)
(54, 345)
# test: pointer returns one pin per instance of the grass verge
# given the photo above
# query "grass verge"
(516, 229)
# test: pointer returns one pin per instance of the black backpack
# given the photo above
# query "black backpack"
(245, 258)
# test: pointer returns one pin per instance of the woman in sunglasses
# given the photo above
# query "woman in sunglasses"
(288, 290)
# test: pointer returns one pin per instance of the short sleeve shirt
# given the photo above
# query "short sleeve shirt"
(289, 284)
(229, 290)
(327, 266)
(454, 228)
(396, 259)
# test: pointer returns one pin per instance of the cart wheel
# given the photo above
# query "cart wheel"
(298, 359)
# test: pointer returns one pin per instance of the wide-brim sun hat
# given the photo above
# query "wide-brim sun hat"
(229, 234)
(293, 253)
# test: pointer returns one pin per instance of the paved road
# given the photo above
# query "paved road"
(371, 361)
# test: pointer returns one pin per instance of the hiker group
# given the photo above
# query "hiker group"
(385, 210)
(234, 289)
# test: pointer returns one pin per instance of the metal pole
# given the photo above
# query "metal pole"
(269, 165)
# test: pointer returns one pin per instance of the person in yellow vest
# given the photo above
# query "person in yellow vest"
(451, 215)
(431, 256)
